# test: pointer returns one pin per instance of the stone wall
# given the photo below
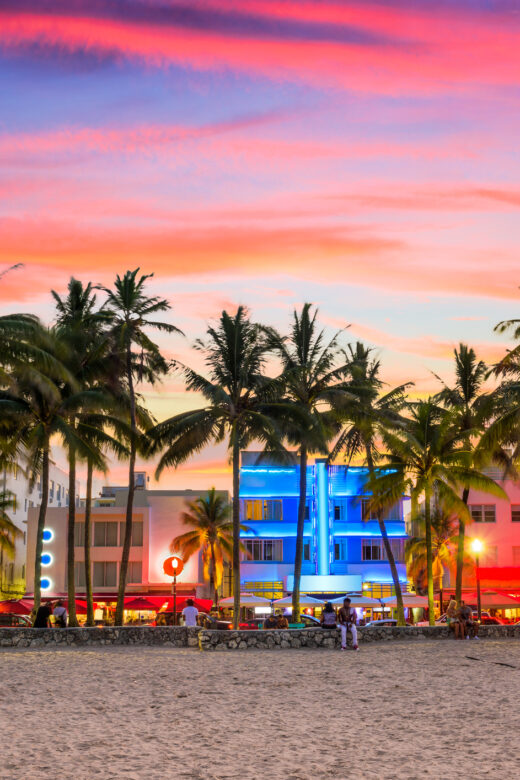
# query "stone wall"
(179, 636)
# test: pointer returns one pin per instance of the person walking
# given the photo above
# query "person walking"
(347, 622)
(189, 613)
(60, 615)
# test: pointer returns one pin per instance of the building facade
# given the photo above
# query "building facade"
(343, 548)
(496, 523)
(156, 521)
(26, 497)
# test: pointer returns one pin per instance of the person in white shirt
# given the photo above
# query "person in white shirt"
(60, 615)
(189, 613)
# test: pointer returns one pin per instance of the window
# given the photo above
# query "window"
(516, 556)
(264, 549)
(105, 574)
(51, 491)
(340, 549)
(306, 550)
(337, 512)
(79, 574)
(66, 498)
(137, 534)
(58, 493)
(25, 505)
(257, 509)
(135, 572)
(371, 550)
(515, 513)
(14, 504)
(10, 572)
(268, 590)
(374, 549)
(366, 512)
(307, 512)
(105, 534)
(483, 513)
(79, 534)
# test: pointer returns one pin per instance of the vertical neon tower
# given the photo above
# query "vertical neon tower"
(322, 500)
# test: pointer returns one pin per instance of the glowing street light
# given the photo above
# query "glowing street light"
(173, 566)
(476, 548)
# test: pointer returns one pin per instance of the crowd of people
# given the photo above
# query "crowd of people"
(460, 620)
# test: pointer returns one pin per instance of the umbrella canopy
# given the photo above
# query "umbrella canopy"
(305, 601)
(141, 604)
(410, 600)
(166, 604)
(16, 607)
(246, 600)
(493, 598)
(358, 601)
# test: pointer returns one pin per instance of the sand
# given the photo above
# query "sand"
(396, 711)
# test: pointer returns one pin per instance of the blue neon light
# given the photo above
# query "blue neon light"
(46, 559)
(47, 535)
(323, 518)
(45, 583)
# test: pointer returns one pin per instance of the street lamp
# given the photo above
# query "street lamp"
(476, 548)
(173, 566)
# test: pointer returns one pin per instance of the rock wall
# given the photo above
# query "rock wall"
(208, 640)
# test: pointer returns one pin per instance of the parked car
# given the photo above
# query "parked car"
(486, 618)
(14, 621)
(381, 622)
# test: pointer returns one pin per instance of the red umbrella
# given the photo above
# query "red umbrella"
(141, 604)
(203, 605)
(16, 607)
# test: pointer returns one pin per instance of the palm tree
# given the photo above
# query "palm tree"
(310, 380)
(209, 518)
(239, 406)
(81, 327)
(429, 459)
(472, 409)
(131, 309)
(372, 413)
(444, 548)
(41, 396)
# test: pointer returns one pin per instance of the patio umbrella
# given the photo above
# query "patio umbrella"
(305, 601)
(246, 600)
(358, 601)
(410, 600)
(494, 599)
(141, 604)
(166, 603)
(16, 607)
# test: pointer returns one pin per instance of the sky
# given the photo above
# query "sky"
(361, 156)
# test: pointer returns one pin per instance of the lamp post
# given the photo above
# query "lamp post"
(477, 547)
(173, 566)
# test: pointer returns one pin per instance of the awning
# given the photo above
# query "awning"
(358, 601)
(16, 606)
(493, 598)
(142, 604)
(246, 600)
(305, 601)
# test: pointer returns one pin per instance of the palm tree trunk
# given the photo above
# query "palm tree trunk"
(71, 522)
(213, 579)
(429, 555)
(87, 544)
(460, 551)
(236, 530)
(123, 570)
(41, 525)
(298, 556)
(388, 549)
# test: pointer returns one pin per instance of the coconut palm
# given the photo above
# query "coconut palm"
(81, 326)
(311, 381)
(428, 458)
(39, 401)
(239, 407)
(472, 408)
(372, 412)
(209, 518)
(132, 313)
(444, 548)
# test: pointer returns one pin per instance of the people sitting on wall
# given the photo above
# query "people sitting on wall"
(282, 621)
(271, 621)
(347, 622)
(454, 620)
(60, 615)
(470, 626)
(328, 616)
(43, 617)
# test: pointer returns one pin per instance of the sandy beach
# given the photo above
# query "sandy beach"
(402, 711)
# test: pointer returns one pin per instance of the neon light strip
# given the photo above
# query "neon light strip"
(323, 518)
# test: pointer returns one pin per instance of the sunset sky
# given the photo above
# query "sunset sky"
(360, 156)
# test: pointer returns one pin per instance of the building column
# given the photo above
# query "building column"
(323, 521)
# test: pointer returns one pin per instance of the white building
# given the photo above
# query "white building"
(13, 571)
